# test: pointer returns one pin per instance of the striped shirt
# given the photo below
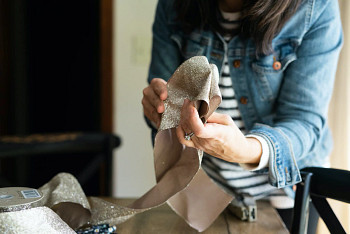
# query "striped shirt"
(231, 176)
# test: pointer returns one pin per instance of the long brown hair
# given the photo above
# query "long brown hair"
(261, 20)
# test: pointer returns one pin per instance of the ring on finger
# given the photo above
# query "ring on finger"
(188, 136)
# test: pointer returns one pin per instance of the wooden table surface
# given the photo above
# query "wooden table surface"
(164, 220)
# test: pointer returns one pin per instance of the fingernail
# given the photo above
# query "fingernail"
(160, 109)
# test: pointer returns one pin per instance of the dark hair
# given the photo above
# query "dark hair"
(261, 20)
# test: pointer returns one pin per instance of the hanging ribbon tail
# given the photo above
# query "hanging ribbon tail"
(198, 199)
(180, 180)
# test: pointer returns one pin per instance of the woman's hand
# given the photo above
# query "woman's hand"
(152, 101)
(219, 137)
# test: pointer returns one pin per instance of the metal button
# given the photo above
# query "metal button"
(216, 55)
(237, 63)
(276, 65)
(243, 100)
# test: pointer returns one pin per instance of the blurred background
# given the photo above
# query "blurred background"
(80, 67)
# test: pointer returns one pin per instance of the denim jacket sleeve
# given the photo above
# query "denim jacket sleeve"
(166, 56)
(302, 106)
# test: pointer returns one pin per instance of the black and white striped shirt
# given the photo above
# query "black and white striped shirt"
(231, 176)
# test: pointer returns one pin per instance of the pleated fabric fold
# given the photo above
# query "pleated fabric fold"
(180, 180)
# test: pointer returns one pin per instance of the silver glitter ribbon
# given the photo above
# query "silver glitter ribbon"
(180, 180)
(34, 220)
(191, 193)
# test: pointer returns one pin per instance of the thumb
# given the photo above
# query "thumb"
(220, 119)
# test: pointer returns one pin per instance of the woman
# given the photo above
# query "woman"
(277, 62)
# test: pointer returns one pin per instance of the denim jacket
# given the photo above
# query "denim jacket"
(286, 106)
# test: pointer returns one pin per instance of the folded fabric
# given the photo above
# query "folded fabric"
(180, 180)
(196, 197)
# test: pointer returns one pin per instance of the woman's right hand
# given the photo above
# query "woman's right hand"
(153, 100)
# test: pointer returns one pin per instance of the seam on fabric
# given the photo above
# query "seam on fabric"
(268, 138)
(310, 10)
(291, 152)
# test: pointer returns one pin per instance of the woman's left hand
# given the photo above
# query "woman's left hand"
(219, 137)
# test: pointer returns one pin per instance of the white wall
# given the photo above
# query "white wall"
(133, 161)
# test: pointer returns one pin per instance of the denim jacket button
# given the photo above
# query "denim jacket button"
(276, 65)
(237, 63)
(243, 100)
(216, 55)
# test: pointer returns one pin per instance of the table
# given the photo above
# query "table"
(163, 220)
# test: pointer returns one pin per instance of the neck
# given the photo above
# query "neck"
(230, 5)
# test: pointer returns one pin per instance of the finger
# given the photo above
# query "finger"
(220, 119)
(198, 143)
(153, 99)
(159, 86)
(189, 115)
(180, 133)
(150, 112)
(184, 123)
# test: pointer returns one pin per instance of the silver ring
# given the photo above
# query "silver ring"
(188, 136)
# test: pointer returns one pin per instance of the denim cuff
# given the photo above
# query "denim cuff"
(283, 169)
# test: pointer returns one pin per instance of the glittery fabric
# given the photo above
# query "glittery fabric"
(196, 80)
(63, 188)
(107, 212)
(34, 220)
(180, 180)
(193, 195)
(17, 208)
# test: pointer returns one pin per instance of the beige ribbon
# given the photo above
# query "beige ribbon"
(195, 196)
(180, 180)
